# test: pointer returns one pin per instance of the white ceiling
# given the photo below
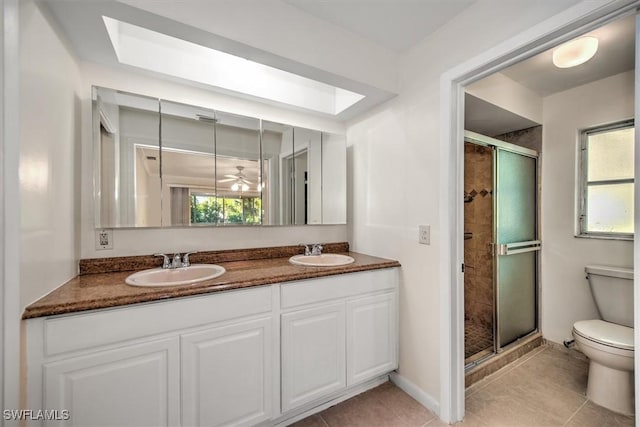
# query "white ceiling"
(615, 55)
(343, 25)
(194, 168)
(304, 37)
(394, 24)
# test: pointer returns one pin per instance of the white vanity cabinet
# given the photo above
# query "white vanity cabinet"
(337, 332)
(255, 356)
(227, 374)
(313, 354)
(134, 385)
(197, 361)
(372, 336)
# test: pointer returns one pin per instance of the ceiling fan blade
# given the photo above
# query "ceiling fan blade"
(227, 180)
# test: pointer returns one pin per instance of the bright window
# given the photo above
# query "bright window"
(606, 205)
(209, 209)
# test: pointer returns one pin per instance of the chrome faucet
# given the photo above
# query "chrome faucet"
(166, 261)
(185, 258)
(178, 261)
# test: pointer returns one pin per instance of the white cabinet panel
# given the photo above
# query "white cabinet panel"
(227, 375)
(136, 386)
(313, 354)
(128, 323)
(371, 337)
(350, 285)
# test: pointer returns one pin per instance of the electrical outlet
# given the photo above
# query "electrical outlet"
(424, 234)
(104, 239)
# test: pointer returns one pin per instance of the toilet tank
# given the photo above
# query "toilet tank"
(612, 289)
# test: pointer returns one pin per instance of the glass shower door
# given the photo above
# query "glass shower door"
(517, 244)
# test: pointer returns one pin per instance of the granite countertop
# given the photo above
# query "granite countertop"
(90, 291)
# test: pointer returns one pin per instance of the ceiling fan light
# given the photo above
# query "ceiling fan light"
(235, 187)
(575, 52)
(245, 187)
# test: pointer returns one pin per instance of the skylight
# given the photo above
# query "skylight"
(143, 48)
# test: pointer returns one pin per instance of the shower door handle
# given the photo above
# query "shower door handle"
(518, 248)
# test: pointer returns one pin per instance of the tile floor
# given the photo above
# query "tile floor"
(477, 338)
(543, 388)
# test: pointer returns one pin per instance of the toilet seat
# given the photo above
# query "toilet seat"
(605, 333)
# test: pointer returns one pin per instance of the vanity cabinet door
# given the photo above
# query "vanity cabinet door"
(313, 354)
(371, 337)
(227, 375)
(135, 385)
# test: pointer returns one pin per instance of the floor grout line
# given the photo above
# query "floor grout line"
(323, 420)
(576, 412)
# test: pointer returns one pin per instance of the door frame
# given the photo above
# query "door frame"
(581, 18)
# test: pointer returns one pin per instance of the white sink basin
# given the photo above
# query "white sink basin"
(324, 260)
(175, 276)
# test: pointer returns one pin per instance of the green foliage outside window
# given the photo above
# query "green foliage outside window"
(206, 209)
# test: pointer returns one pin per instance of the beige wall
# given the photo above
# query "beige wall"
(49, 156)
(565, 292)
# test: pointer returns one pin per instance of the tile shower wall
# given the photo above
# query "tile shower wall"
(478, 223)
(529, 138)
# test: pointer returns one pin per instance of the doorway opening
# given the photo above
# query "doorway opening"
(573, 23)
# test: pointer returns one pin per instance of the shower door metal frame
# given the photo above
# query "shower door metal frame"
(513, 248)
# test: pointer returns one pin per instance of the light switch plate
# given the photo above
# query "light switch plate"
(424, 234)
(104, 239)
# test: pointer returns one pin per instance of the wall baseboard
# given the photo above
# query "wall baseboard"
(424, 398)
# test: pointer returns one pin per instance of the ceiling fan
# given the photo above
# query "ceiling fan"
(239, 180)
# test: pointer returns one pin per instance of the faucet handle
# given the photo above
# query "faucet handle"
(185, 258)
(166, 262)
(316, 249)
(307, 250)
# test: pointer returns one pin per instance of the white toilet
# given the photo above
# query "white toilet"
(608, 343)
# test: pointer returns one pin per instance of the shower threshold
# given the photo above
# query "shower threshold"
(492, 362)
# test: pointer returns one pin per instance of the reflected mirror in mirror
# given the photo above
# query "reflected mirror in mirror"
(126, 128)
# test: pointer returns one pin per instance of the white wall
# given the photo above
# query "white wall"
(565, 292)
(508, 94)
(10, 308)
(49, 156)
(394, 174)
(146, 241)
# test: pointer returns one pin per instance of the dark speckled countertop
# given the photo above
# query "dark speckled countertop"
(90, 291)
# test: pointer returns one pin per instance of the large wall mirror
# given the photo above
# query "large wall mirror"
(160, 163)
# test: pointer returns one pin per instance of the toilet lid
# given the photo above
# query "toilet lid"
(605, 333)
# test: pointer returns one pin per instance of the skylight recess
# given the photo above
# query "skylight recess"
(143, 48)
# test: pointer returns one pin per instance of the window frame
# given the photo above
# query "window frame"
(581, 219)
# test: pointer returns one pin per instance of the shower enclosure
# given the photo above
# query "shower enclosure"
(501, 245)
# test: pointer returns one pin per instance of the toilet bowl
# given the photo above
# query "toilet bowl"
(608, 342)
(609, 348)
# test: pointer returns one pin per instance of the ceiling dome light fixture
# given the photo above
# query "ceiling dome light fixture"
(575, 52)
